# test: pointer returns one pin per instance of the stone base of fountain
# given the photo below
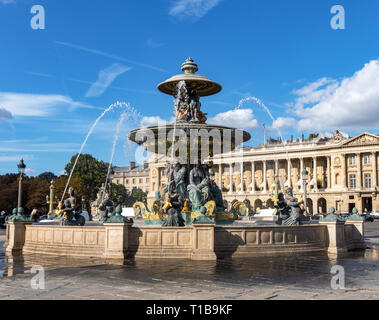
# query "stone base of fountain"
(201, 241)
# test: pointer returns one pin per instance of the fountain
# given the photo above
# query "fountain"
(188, 145)
(188, 219)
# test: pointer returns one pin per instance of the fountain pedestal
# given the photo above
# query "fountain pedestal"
(116, 240)
(15, 237)
(203, 247)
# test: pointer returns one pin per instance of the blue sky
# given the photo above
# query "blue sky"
(55, 82)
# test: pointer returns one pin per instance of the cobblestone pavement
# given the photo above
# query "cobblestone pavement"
(284, 277)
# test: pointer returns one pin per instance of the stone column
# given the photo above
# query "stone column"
(301, 170)
(374, 170)
(289, 174)
(359, 171)
(265, 176)
(15, 238)
(315, 173)
(241, 178)
(220, 176)
(276, 167)
(230, 178)
(328, 173)
(116, 244)
(203, 245)
(252, 177)
(343, 168)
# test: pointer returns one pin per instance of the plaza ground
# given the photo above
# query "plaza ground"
(282, 277)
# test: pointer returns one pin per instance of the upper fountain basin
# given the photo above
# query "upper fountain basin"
(158, 139)
(202, 85)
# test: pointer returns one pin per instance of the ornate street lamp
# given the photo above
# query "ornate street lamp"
(21, 170)
(304, 177)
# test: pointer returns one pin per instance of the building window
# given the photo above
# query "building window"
(147, 180)
(134, 181)
(127, 181)
(367, 180)
(352, 181)
(367, 158)
(352, 160)
(140, 180)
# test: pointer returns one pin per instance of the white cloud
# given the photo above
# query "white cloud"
(5, 114)
(105, 78)
(349, 104)
(36, 105)
(152, 121)
(9, 146)
(281, 123)
(315, 92)
(7, 1)
(29, 171)
(240, 118)
(14, 158)
(192, 8)
(152, 44)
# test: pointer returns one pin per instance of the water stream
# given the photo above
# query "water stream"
(111, 107)
(261, 104)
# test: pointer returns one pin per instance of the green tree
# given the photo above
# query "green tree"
(121, 196)
(91, 171)
(7, 179)
(77, 183)
(8, 196)
(49, 176)
(36, 191)
(139, 195)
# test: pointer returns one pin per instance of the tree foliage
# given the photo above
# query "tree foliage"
(87, 178)
(91, 171)
(49, 176)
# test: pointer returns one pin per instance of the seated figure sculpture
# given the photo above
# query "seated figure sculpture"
(215, 192)
(180, 173)
(173, 207)
(198, 188)
(288, 209)
(71, 214)
(106, 209)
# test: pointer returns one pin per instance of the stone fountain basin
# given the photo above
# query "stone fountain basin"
(197, 242)
(158, 139)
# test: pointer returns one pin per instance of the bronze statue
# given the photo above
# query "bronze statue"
(70, 212)
(173, 207)
(198, 188)
(180, 173)
(288, 209)
(106, 209)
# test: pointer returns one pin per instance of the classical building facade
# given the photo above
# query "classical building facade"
(342, 172)
(132, 176)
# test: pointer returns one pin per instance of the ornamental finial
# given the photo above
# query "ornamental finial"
(189, 66)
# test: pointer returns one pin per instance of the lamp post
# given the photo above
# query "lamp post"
(304, 176)
(21, 170)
